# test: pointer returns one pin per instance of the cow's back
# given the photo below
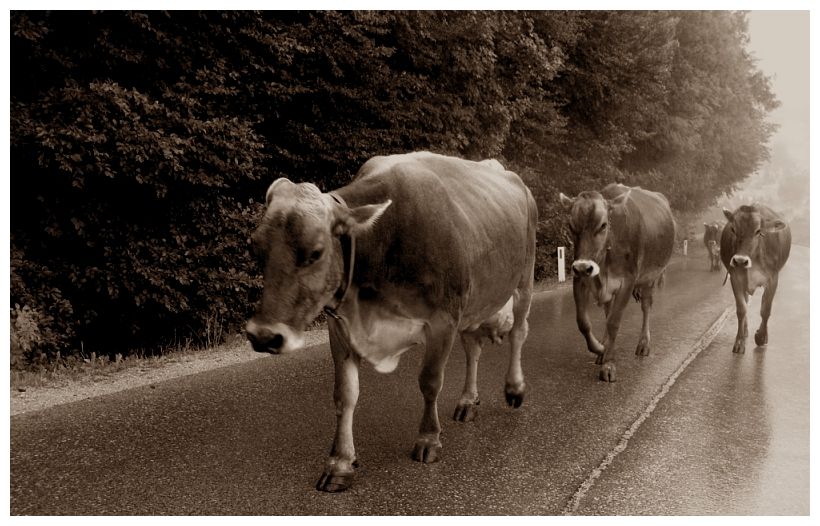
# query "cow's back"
(462, 231)
(643, 231)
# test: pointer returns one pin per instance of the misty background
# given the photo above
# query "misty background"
(779, 41)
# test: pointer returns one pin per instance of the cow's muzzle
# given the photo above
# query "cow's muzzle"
(585, 268)
(274, 339)
(741, 261)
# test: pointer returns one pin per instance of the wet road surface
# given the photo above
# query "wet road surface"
(729, 436)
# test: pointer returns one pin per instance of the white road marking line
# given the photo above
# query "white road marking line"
(700, 345)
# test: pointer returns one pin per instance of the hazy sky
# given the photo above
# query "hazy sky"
(780, 42)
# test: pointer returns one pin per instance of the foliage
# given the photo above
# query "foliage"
(142, 143)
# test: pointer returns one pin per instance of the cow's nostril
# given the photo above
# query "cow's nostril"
(277, 341)
(741, 261)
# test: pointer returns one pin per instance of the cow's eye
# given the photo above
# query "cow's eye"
(759, 232)
(312, 257)
(602, 227)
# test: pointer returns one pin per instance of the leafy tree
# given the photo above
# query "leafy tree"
(712, 132)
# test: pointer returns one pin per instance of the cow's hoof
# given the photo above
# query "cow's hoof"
(514, 400)
(643, 348)
(607, 373)
(335, 482)
(466, 411)
(514, 394)
(426, 450)
(740, 347)
(761, 338)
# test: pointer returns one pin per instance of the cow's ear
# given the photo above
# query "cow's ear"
(566, 201)
(619, 200)
(354, 221)
(706, 225)
(272, 188)
(728, 214)
(773, 225)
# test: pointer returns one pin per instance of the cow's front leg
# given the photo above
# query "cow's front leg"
(338, 473)
(580, 290)
(741, 304)
(440, 338)
(467, 404)
(762, 333)
(613, 323)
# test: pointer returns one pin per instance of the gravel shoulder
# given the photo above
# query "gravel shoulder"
(236, 350)
(152, 370)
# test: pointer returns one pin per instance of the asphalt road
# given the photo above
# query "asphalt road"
(691, 429)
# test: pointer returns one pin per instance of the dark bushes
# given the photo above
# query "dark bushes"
(142, 143)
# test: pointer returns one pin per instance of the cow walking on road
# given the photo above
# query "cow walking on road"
(623, 241)
(711, 240)
(754, 247)
(417, 249)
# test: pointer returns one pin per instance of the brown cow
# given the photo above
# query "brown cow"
(417, 249)
(754, 247)
(711, 240)
(623, 241)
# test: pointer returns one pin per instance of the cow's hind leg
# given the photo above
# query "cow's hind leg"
(646, 295)
(467, 405)
(440, 336)
(338, 473)
(514, 385)
(762, 333)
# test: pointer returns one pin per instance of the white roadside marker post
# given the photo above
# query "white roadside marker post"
(562, 275)
(685, 246)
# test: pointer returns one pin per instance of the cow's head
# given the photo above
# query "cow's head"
(748, 227)
(710, 231)
(589, 225)
(299, 251)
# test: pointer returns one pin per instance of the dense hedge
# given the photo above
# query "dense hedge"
(142, 143)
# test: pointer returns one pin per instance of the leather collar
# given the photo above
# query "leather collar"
(347, 242)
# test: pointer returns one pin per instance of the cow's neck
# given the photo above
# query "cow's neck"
(376, 330)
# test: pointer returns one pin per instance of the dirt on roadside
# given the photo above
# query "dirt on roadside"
(73, 388)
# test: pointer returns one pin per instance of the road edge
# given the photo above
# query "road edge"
(703, 342)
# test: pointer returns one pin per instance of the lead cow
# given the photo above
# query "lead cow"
(754, 247)
(417, 249)
(623, 241)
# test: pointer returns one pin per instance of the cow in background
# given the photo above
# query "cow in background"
(754, 246)
(417, 250)
(623, 239)
(711, 240)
